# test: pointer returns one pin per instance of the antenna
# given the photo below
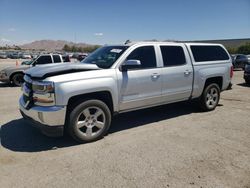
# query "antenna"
(127, 41)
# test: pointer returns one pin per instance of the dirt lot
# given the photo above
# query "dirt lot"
(169, 146)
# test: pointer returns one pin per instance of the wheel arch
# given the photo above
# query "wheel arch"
(216, 80)
(104, 96)
(13, 73)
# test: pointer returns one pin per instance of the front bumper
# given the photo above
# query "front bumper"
(4, 78)
(50, 120)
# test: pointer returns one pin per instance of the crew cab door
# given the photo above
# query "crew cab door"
(177, 73)
(140, 86)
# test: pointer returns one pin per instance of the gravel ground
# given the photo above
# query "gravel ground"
(168, 146)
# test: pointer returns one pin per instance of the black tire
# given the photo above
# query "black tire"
(17, 79)
(247, 82)
(210, 97)
(79, 122)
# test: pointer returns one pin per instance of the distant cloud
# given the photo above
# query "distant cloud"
(12, 29)
(98, 34)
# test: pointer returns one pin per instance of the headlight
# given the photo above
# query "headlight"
(43, 93)
(43, 87)
(3, 73)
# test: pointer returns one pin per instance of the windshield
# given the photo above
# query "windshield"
(27, 62)
(105, 57)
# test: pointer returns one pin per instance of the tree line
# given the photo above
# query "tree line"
(10, 47)
(243, 49)
(73, 48)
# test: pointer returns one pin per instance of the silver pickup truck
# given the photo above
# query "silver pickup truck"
(14, 74)
(81, 98)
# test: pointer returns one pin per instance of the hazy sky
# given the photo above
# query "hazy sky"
(114, 21)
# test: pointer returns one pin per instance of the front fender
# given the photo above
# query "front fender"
(12, 71)
(64, 91)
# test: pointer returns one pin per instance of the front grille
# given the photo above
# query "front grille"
(27, 92)
(25, 98)
(28, 85)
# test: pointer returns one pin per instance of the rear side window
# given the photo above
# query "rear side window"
(43, 60)
(57, 59)
(146, 55)
(172, 55)
(209, 53)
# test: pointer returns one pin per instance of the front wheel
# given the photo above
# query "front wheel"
(247, 82)
(89, 121)
(210, 97)
(17, 79)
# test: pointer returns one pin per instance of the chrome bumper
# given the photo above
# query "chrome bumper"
(48, 116)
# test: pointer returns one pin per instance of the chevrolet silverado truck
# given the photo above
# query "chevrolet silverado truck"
(81, 98)
(15, 74)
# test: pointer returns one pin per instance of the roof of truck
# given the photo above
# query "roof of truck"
(168, 42)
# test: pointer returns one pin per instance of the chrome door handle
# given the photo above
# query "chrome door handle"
(155, 75)
(187, 72)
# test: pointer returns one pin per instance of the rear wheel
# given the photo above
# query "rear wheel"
(210, 97)
(89, 121)
(17, 79)
(247, 82)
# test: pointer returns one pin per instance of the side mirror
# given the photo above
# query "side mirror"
(130, 64)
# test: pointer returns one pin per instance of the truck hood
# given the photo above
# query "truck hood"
(42, 72)
(16, 68)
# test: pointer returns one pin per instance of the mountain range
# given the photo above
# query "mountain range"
(51, 45)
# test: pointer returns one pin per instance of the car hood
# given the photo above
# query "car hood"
(16, 68)
(42, 72)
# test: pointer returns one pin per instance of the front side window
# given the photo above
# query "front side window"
(105, 57)
(173, 55)
(43, 60)
(209, 53)
(146, 55)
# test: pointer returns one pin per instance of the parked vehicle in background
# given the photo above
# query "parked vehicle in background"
(66, 58)
(9, 54)
(34, 55)
(239, 61)
(15, 74)
(26, 56)
(82, 97)
(3, 55)
(247, 73)
(248, 57)
(81, 56)
(15, 55)
(75, 55)
(70, 55)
